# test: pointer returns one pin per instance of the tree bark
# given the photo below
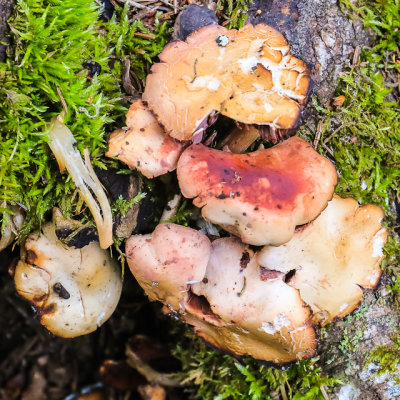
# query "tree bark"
(6, 7)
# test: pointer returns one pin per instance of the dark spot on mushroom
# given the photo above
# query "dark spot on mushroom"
(245, 259)
(279, 206)
(39, 299)
(127, 143)
(205, 280)
(141, 129)
(138, 163)
(49, 309)
(61, 291)
(79, 238)
(200, 308)
(31, 257)
(289, 275)
(222, 196)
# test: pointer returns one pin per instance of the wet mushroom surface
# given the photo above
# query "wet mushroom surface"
(259, 196)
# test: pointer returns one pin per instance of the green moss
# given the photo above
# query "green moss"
(387, 358)
(52, 43)
(220, 376)
(234, 12)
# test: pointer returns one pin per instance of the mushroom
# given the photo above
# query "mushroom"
(239, 309)
(332, 258)
(247, 75)
(221, 291)
(259, 196)
(166, 261)
(75, 290)
(144, 145)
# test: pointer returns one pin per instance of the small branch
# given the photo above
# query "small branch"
(163, 379)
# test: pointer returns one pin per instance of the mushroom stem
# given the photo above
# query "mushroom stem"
(241, 138)
(62, 145)
(171, 208)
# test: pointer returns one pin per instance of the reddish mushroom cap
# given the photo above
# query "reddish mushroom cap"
(259, 196)
(144, 145)
(247, 75)
(166, 261)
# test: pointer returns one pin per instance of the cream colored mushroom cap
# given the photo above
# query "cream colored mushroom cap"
(245, 74)
(167, 261)
(261, 196)
(258, 315)
(144, 145)
(333, 257)
(74, 290)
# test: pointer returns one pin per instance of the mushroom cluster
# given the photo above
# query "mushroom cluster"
(318, 250)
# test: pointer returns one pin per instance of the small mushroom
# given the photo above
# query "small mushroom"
(144, 145)
(222, 292)
(259, 196)
(331, 259)
(75, 290)
(247, 75)
(166, 261)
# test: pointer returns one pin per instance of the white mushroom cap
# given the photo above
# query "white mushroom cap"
(252, 313)
(333, 257)
(166, 261)
(74, 290)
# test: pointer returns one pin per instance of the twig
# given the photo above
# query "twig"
(283, 392)
(356, 54)
(166, 16)
(149, 36)
(337, 130)
(144, 13)
(195, 71)
(135, 4)
(323, 391)
(163, 379)
(328, 150)
(63, 102)
(318, 134)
